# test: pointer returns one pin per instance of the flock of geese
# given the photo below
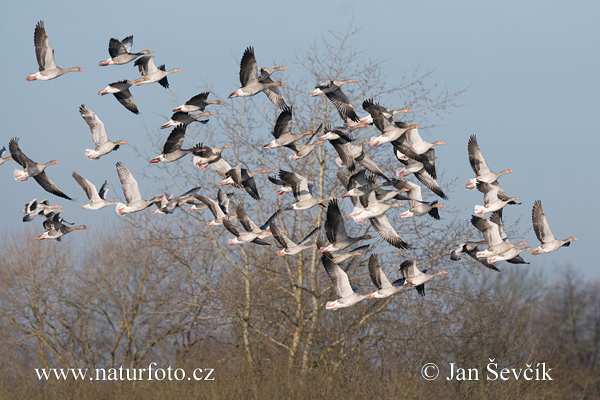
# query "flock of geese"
(370, 190)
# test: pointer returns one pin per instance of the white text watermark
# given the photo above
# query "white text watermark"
(492, 372)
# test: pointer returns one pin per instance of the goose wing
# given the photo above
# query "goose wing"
(540, 223)
(335, 228)
(126, 99)
(49, 186)
(129, 184)
(339, 278)
(43, 51)
(175, 139)
(377, 275)
(476, 159)
(383, 227)
(96, 126)
(248, 68)
(116, 48)
(17, 154)
(88, 187)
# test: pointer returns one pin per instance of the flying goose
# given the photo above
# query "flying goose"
(219, 208)
(45, 57)
(303, 198)
(172, 150)
(120, 89)
(241, 236)
(282, 131)
(411, 274)
(335, 230)
(33, 170)
(494, 198)
(39, 209)
(103, 145)
(332, 89)
(97, 199)
(197, 103)
(542, 230)
(134, 199)
(171, 204)
(480, 167)
(241, 177)
(494, 235)
(183, 118)
(384, 287)
(251, 84)
(55, 229)
(417, 206)
(151, 73)
(119, 52)
(346, 296)
(289, 247)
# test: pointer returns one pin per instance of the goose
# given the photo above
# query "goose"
(384, 287)
(119, 52)
(39, 209)
(54, 228)
(359, 183)
(421, 172)
(4, 159)
(542, 230)
(179, 201)
(332, 89)
(303, 198)
(45, 57)
(103, 145)
(349, 153)
(282, 132)
(219, 208)
(368, 120)
(384, 122)
(241, 236)
(134, 199)
(346, 296)
(303, 150)
(373, 208)
(413, 146)
(471, 249)
(494, 235)
(289, 247)
(241, 177)
(250, 226)
(151, 73)
(120, 89)
(287, 188)
(272, 92)
(207, 155)
(512, 256)
(251, 84)
(183, 118)
(417, 206)
(221, 201)
(97, 199)
(172, 150)
(411, 274)
(387, 232)
(494, 198)
(338, 257)
(335, 230)
(480, 167)
(197, 103)
(33, 170)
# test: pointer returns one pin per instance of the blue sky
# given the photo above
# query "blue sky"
(531, 68)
